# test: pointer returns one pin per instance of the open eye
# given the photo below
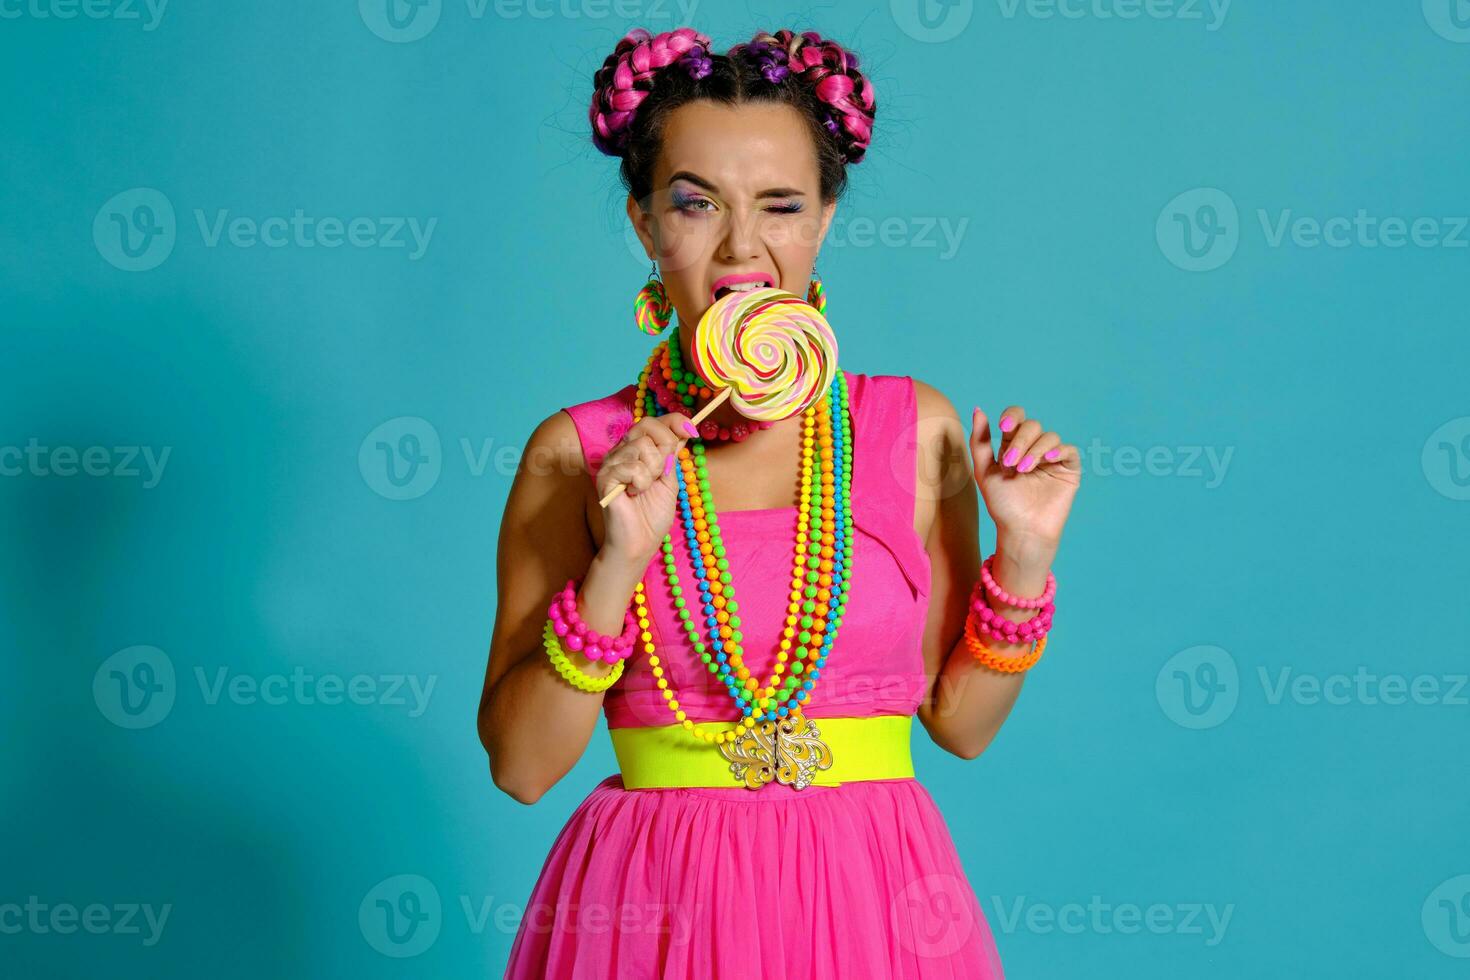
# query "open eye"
(692, 202)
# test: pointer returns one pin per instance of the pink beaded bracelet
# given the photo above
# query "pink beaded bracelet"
(1002, 596)
(992, 624)
(577, 635)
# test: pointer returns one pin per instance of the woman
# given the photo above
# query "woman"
(757, 829)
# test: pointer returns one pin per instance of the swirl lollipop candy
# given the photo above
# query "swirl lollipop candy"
(768, 351)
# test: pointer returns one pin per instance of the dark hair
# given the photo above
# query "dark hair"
(633, 95)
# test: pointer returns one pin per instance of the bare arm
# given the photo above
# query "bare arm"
(967, 702)
(533, 724)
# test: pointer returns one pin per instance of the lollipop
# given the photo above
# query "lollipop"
(772, 351)
(768, 351)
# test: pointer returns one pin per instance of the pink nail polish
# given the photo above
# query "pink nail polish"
(1053, 453)
(1026, 463)
(1007, 423)
(668, 465)
(689, 428)
(1010, 457)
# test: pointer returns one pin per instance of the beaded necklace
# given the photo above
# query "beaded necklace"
(675, 389)
(821, 569)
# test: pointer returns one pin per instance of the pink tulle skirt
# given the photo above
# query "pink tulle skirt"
(852, 881)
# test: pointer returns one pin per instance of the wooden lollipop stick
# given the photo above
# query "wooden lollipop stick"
(714, 404)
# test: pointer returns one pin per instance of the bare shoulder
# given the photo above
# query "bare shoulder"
(933, 402)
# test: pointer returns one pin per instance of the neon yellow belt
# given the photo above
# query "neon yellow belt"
(817, 751)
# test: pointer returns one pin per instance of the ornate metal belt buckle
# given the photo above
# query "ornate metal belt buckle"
(787, 750)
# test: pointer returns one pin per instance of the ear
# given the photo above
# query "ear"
(642, 222)
(828, 210)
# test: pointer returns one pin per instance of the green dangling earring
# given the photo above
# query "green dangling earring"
(815, 295)
(652, 310)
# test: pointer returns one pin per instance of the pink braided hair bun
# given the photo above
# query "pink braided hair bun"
(833, 73)
(626, 77)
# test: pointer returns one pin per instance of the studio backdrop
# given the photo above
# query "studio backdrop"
(286, 287)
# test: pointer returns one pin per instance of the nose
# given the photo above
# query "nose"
(741, 241)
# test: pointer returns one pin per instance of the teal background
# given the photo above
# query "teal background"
(1146, 763)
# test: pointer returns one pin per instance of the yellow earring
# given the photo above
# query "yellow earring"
(652, 310)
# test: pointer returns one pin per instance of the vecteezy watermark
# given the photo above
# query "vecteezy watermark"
(1097, 917)
(123, 462)
(401, 458)
(934, 916)
(40, 918)
(1446, 459)
(403, 915)
(1450, 19)
(148, 12)
(1446, 917)
(137, 688)
(1363, 687)
(932, 21)
(402, 21)
(1199, 230)
(137, 230)
(941, 234)
(1207, 463)
(1200, 687)
(1211, 13)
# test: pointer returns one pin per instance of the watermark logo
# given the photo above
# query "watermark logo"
(1203, 919)
(1198, 687)
(135, 687)
(1446, 459)
(122, 10)
(1180, 10)
(401, 459)
(932, 915)
(932, 21)
(1450, 19)
(135, 230)
(39, 918)
(1446, 917)
(401, 916)
(1199, 230)
(400, 21)
(146, 463)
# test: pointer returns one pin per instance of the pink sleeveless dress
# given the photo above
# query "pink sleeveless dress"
(860, 880)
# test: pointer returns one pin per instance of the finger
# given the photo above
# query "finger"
(1035, 454)
(1020, 443)
(655, 429)
(652, 462)
(981, 448)
(1009, 421)
(682, 426)
(1068, 457)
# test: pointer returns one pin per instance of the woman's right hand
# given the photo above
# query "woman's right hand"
(637, 519)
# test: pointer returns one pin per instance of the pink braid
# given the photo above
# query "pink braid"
(832, 70)
(626, 78)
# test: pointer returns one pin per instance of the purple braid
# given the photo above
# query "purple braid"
(627, 75)
(832, 71)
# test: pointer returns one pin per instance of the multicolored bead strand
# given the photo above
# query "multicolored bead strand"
(821, 563)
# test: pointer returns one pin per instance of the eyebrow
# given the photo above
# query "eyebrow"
(701, 182)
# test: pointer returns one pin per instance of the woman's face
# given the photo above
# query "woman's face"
(735, 202)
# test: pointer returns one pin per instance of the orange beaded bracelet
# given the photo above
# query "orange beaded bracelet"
(993, 660)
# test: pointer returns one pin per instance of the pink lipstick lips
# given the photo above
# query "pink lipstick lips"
(740, 280)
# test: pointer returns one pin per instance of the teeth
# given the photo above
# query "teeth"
(745, 286)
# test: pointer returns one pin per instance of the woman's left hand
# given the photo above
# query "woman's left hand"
(1029, 480)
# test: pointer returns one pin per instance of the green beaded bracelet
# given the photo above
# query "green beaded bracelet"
(573, 675)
